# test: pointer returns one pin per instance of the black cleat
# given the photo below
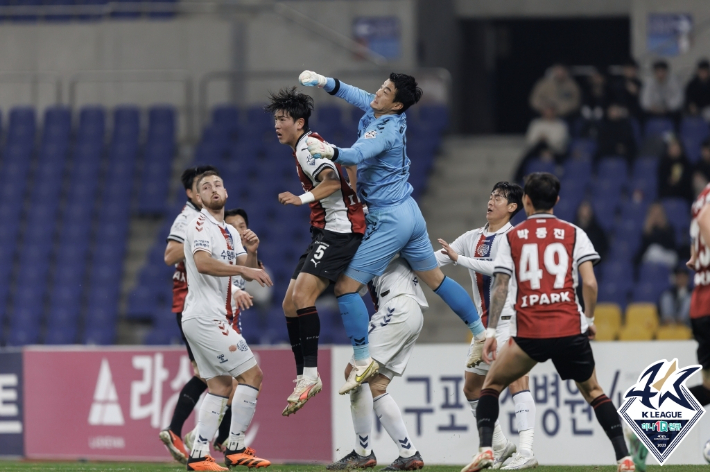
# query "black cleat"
(354, 461)
(406, 463)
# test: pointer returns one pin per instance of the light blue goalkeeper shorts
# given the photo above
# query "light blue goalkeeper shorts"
(392, 230)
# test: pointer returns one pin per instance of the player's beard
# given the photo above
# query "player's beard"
(215, 205)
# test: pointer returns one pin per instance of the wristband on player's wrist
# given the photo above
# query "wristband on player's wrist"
(590, 320)
(307, 198)
(490, 333)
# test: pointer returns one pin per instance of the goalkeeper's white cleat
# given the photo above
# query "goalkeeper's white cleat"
(520, 462)
(483, 460)
(503, 455)
(305, 390)
(475, 352)
(358, 375)
(320, 149)
(311, 79)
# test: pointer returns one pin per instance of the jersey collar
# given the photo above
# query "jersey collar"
(211, 218)
(192, 205)
(503, 229)
(542, 215)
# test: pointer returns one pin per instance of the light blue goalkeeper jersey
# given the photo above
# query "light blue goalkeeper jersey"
(380, 151)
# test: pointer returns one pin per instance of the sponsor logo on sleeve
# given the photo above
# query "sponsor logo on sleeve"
(201, 243)
(371, 134)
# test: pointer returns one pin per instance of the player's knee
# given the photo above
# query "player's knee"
(302, 299)
(471, 392)
(288, 307)
(378, 385)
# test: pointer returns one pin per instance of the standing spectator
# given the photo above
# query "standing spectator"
(674, 304)
(697, 92)
(587, 220)
(661, 94)
(616, 135)
(658, 239)
(675, 175)
(556, 88)
(595, 101)
(627, 89)
(546, 139)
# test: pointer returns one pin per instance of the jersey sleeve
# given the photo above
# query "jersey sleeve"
(350, 94)
(503, 263)
(312, 166)
(483, 266)
(458, 245)
(197, 238)
(583, 249)
(371, 144)
(177, 230)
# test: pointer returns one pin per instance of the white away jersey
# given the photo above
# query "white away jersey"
(177, 233)
(209, 296)
(398, 279)
(477, 250)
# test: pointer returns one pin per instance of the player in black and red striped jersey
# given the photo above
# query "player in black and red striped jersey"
(700, 301)
(543, 259)
(337, 227)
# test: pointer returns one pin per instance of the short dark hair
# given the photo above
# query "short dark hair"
(543, 189)
(207, 174)
(703, 64)
(407, 91)
(513, 193)
(660, 64)
(189, 174)
(237, 212)
(296, 104)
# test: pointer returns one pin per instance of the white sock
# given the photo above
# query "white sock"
(211, 413)
(525, 414)
(243, 408)
(361, 410)
(390, 416)
(361, 362)
(310, 372)
(499, 439)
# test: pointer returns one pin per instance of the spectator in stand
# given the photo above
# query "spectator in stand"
(701, 171)
(587, 220)
(674, 305)
(658, 239)
(661, 95)
(675, 172)
(697, 92)
(595, 100)
(546, 139)
(616, 135)
(556, 88)
(627, 89)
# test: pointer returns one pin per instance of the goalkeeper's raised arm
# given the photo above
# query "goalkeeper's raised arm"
(350, 94)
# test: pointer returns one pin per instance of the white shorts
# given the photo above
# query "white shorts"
(392, 333)
(502, 336)
(218, 349)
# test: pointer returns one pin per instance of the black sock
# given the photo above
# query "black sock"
(187, 400)
(224, 426)
(294, 336)
(609, 419)
(309, 324)
(701, 394)
(486, 415)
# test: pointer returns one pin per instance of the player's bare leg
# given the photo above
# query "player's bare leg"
(511, 364)
(302, 294)
(608, 418)
(458, 300)
(351, 308)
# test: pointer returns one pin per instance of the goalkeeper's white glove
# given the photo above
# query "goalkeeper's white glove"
(320, 149)
(311, 79)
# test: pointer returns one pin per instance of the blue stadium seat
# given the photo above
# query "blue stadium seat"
(620, 272)
(100, 335)
(92, 123)
(582, 149)
(678, 213)
(693, 131)
(612, 168)
(22, 125)
(658, 127)
(22, 335)
(654, 273)
(538, 165)
(161, 122)
(168, 13)
(435, 117)
(578, 170)
(611, 292)
(646, 292)
(61, 334)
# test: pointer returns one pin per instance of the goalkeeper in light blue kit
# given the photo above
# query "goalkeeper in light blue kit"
(394, 223)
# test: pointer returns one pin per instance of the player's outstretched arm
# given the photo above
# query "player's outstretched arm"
(174, 253)
(499, 293)
(350, 94)
(205, 264)
(589, 293)
(329, 184)
(366, 147)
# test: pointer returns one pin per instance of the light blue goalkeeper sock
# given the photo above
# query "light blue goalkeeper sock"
(458, 300)
(356, 322)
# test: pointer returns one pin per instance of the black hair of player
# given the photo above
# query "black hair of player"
(237, 212)
(207, 173)
(188, 176)
(543, 189)
(296, 104)
(407, 91)
(513, 193)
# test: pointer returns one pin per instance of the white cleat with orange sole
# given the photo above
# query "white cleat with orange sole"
(626, 465)
(305, 390)
(483, 460)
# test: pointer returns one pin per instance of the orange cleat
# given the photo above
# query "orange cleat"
(174, 444)
(204, 463)
(247, 458)
(626, 465)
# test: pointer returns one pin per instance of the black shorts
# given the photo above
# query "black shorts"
(328, 255)
(701, 333)
(571, 355)
(182, 333)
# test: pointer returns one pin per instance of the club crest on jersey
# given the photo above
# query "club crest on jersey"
(484, 250)
(659, 408)
(370, 134)
(310, 160)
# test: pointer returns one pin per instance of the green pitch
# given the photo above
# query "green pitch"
(157, 467)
